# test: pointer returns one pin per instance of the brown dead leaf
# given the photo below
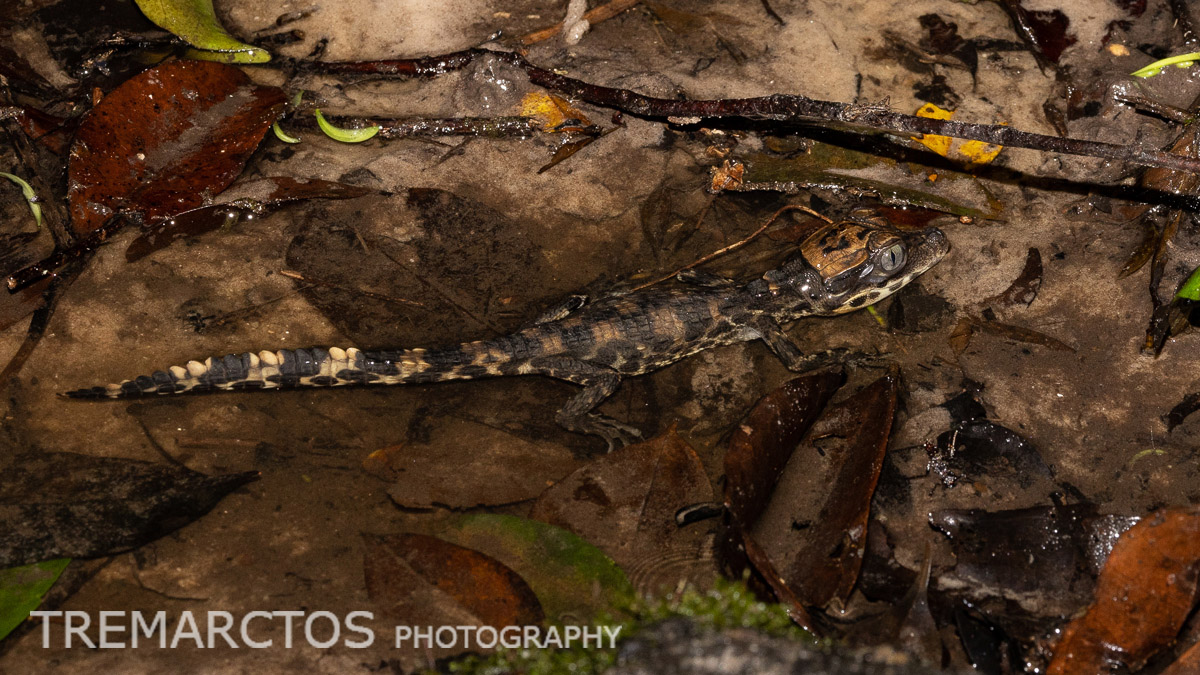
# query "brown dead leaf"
(1024, 288)
(1145, 592)
(166, 140)
(476, 465)
(625, 503)
(815, 526)
(423, 580)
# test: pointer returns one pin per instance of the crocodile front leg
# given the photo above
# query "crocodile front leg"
(598, 384)
(788, 351)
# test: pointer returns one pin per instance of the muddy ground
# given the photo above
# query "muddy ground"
(484, 242)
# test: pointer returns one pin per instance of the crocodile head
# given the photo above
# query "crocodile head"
(851, 264)
(861, 262)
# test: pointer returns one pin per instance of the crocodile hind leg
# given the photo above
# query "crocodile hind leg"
(598, 384)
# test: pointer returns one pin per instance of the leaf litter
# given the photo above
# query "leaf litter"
(496, 315)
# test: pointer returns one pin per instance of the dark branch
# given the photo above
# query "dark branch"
(784, 108)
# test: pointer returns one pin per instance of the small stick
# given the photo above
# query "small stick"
(735, 245)
(494, 127)
(593, 16)
(772, 13)
(1163, 110)
(325, 284)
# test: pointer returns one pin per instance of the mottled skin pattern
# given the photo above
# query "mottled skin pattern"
(842, 267)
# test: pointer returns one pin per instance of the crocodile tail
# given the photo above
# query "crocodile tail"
(287, 368)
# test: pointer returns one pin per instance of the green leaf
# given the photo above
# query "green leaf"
(1190, 290)
(569, 576)
(195, 22)
(22, 588)
(344, 135)
(27, 190)
(282, 135)
(1180, 61)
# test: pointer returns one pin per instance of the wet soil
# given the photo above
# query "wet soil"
(469, 241)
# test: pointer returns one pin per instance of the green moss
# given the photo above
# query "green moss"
(728, 605)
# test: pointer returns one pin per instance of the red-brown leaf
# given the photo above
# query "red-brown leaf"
(422, 578)
(166, 140)
(821, 562)
(1145, 592)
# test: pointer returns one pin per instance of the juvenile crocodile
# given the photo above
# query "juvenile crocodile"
(842, 267)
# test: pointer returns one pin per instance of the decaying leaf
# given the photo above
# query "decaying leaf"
(1043, 31)
(1145, 592)
(556, 114)
(257, 197)
(422, 579)
(625, 504)
(815, 526)
(960, 337)
(570, 577)
(981, 450)
(55, 505)
(165, 141)
(1024, 288)
(1189, 405)
(971, 152)
(728, 176)
(1044, 558)
(477, 465)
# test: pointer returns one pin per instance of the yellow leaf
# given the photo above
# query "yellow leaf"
(554, 113)
(978, 152)
(971, 152)
(938, 144)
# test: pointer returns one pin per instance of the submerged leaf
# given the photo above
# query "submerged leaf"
(256, 197)
(570, 576)
(1045, 557)
(1043, 31)
(61, 504)
(1024, 289)
(195, 22)
(1145, 593)
(790, 176)
(422, 579)
(22, 588)
(625, 503)
(1189, 405)
(166, 140)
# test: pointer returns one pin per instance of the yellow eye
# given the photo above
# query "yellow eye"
(892, 258)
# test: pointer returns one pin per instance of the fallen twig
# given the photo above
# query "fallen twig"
(593, 16)
(495, 127)
(735, 245)
(357, 291)
(784, 108)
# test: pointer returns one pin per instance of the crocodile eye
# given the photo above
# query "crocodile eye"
(892, 258)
